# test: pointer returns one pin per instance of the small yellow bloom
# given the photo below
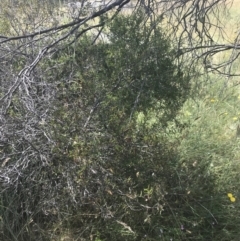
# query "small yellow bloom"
(212, 100)
(230, 195)
(235, 118)
(239, 97)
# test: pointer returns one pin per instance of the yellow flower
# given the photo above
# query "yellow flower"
(230, 195)
(235, 118)
(212, 100)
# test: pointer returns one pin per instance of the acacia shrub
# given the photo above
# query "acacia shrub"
(113, 106)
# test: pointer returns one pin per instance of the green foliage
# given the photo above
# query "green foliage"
(207, 168)
(112, 113)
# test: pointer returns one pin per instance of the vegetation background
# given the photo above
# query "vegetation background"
(108, 132)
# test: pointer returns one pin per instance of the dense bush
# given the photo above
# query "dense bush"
(112, 115)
